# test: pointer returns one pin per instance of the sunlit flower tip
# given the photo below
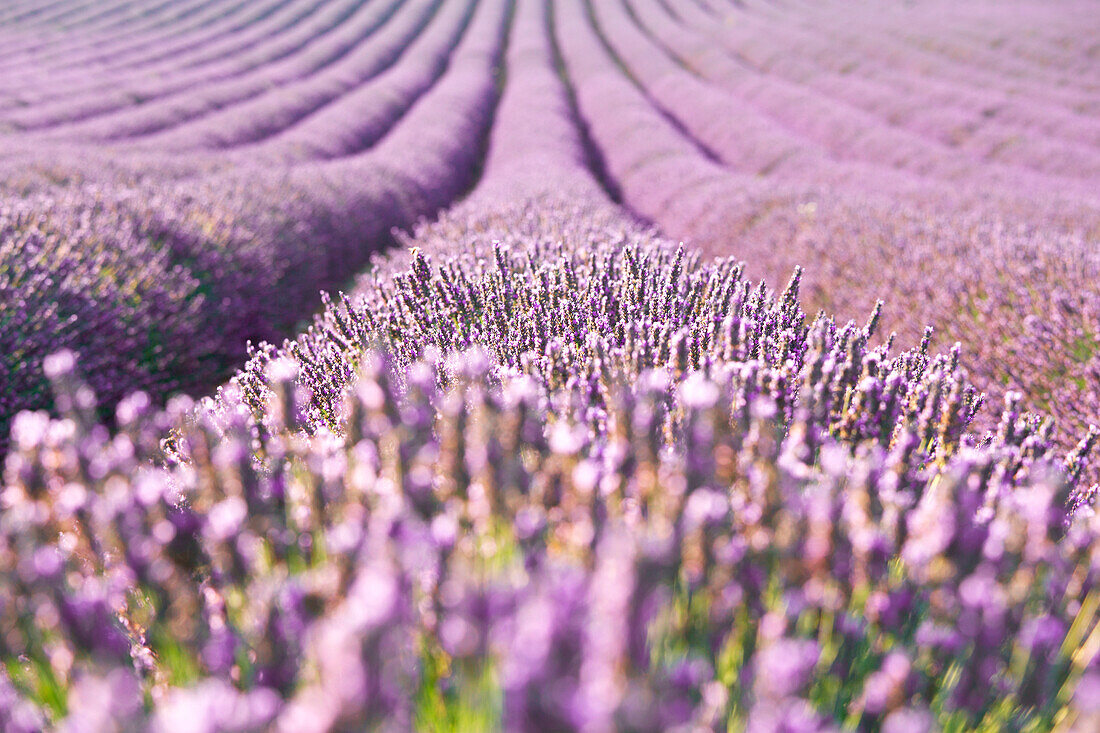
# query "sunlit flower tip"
(1088, 694)
(705, 506)
(909, 720)
(132, 407)
(785, 667)
(45, 566)
(444, 530)
(282, 370)
(59, 364)
(97, 703)
(29, 429)
(1042, 634)
(586, 474)
(529, 522)
(566, 439)
(215, 704)
(226, 518)
(699, 392)
(834, 460)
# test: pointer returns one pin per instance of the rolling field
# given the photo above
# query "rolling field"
(549, 365)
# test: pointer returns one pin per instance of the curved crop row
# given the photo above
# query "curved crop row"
(649, 488)
(870, 244)
(144, 23)
(893, 74)
(757, 145)
(541, 468)
(354, 121)
(976, 132)
(212, 44)
(1008, 66)
(24, 12)
(90, 16)
(51, 15)
(856, 48)
(275, 109)
(702, 110)
(335, 36)
(330, 39)
(236, 238)
(845, 132)
(535, 146)
(265, 34)
(921, 54)
(661, 174)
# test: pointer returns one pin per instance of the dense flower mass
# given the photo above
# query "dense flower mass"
(710, 509)
(528, 464)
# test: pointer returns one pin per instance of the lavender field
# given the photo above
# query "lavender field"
(549, 365)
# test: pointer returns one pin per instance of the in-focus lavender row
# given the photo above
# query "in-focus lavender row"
(974, 247)
(640, 493)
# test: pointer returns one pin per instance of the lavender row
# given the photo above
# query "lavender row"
(650, 162)
(893, 65)
(974, 132)
(955, 65)
(344, 31)
(24, 12)
(756, 145)
(702, 110)
(234, 239)
(535, 146)
(972, 24)
(635, 492)
(52, 17)
(937, 161)
(886, 73)
(356, 120)
(908, 249)
(279, 108)
(143, 21)
(262, 36)
(67, 49)
(846, 133)
(1010, 65)
(333, 39)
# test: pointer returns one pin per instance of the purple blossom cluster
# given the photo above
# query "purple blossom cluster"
(653, 496)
